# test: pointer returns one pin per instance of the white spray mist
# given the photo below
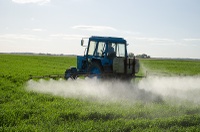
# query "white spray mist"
(150, 89)
(175, 87)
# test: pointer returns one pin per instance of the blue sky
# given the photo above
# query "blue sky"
(159, 28)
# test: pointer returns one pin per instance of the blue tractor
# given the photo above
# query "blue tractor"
(104, 57)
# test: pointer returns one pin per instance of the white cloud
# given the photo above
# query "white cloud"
(40, 2)
(35, 29)
(131, 32)
(153, 39)
(192, 39)
(94, 28)
(16, 36)
(32, 19)
(38, 30)
(67, 36)
(10, 37)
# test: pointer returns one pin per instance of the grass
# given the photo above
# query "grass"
(172, 66)
(30, 111)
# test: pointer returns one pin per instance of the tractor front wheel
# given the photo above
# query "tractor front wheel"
(71, 73)
(95, 70)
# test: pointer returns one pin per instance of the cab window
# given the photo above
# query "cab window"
(92, 47)
(120, 50)
(101, 49)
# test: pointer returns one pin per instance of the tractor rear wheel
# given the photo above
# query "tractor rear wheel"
(71, 73)
(95, 70)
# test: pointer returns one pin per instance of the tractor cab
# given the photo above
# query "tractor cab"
(106, 47)
(102, 51)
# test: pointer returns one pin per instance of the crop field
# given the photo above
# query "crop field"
(167, 100)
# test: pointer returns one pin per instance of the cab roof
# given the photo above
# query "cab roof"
(108, 39)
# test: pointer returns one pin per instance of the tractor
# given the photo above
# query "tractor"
(104, 57)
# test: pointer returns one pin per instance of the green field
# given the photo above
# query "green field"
(172, 67)
(22, 110)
